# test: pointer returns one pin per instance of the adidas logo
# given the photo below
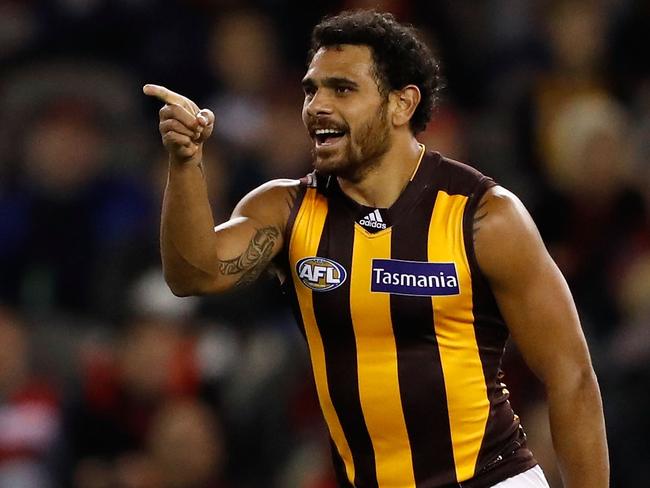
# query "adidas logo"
(373, 220)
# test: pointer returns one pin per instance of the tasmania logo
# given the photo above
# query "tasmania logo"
(415, 278)
(320, 274)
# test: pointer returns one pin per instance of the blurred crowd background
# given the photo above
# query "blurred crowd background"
(107, 380)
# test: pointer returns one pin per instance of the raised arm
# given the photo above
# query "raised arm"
(199, 258)
(538, 308)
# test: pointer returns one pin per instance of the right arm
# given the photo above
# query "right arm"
(199, 258)
(538, 308)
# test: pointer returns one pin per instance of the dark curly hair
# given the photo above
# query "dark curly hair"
(400, 57)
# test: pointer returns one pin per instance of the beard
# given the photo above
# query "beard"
(362, 150)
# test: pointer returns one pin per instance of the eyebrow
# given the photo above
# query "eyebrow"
(330, 82)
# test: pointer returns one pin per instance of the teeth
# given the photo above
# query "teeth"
(320, 132)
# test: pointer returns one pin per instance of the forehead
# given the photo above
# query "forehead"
(344, 61)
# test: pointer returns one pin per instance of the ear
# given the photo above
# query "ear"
(404, 102)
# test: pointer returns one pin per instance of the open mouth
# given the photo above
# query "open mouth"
(327, 137)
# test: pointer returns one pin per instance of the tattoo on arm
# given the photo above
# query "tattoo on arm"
(479, 215)
(252, 262)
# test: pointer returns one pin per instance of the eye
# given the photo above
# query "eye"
(342, 90)
(309, 91)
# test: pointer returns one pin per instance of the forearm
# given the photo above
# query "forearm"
(578, 430)
(197, 258)
(187, 235)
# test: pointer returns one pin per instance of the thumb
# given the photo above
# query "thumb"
(205, 117)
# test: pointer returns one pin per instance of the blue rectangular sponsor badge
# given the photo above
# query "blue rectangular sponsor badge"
(418, 278)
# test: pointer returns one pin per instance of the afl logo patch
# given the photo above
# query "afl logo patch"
(320, 274)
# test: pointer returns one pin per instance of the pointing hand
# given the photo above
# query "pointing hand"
(183, 126)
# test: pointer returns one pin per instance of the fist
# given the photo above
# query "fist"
(183, 126)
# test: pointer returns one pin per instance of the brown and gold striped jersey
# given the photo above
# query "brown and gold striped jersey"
(404, 334)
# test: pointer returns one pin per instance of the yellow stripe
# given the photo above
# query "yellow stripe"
(377, 365)
(467, 399)
(305, 238)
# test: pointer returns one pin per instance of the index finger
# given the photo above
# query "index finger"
(163, 94)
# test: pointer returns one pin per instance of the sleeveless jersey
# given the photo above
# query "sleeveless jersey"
(404, 334)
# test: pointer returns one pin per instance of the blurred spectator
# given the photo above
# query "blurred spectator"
(602, 212)
(551, 98)
(589, 136)
(641, 141)
(64, 179)
(17, 28)
(577, 146)
(198, 463)
(627, 396)
(259, 117)
(630, 348)
(574, 37)
(246, 79)
(30, 416)
(122, 390)
(183, 449)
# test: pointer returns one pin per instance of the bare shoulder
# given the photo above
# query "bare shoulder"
(270, 203)
(502, 210)
(505, 235)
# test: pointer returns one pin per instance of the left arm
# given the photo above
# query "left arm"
(538, 308)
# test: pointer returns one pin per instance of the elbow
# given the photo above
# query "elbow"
(585, 377)
(580, 381)
(588, 381)
(178, 287)
(181, 292)
(185, 286)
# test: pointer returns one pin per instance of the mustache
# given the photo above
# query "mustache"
(314, 123)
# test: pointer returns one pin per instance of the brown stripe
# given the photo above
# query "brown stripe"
(288, 287)
(288, 230)
(334, 320)
(305, 239)
(491, 335)
(420, 373)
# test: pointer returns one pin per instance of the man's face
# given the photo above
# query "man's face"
(344, 112)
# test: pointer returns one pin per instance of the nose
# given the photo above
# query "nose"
(318, 104)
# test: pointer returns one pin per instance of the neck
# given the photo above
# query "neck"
(383, 184)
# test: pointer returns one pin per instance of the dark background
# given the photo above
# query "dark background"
(107, 380)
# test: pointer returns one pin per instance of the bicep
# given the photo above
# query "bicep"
(254, 235)
(531, 292)
(246, 247)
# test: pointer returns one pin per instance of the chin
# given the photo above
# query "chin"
(332, 164)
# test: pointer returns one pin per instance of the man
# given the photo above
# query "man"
(407, 271)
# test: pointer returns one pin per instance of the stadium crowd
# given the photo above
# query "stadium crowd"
(108, 380)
